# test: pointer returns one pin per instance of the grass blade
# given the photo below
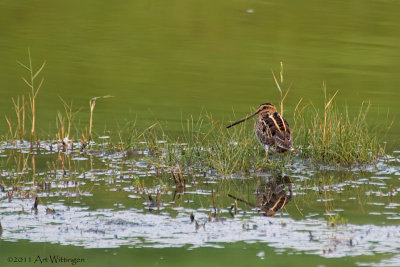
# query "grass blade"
(40, 69)
(22, 65)
(276, 82)
(30, 85)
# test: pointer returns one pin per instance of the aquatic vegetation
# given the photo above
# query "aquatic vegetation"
(336, 220)
(206, 145)
(334, 137)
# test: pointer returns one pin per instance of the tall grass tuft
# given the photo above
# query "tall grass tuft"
(333, 137)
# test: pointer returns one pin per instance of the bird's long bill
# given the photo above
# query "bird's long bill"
(242, 120)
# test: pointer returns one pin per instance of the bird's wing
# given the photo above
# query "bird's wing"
(273, 129)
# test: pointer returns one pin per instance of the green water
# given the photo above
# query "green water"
(166, 60)
(234, 255)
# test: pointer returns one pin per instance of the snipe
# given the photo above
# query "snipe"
(272, 130)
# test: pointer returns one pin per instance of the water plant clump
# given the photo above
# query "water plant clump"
(333, 137)
(204, 145)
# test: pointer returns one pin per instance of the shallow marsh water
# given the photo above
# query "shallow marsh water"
(110, 200)
(163, 61)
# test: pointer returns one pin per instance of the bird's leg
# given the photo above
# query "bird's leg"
(266, 154)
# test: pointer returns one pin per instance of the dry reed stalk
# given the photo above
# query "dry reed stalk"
(34, 89)
(10, 127)
(326, 108)
(92, 104)
(279, 87)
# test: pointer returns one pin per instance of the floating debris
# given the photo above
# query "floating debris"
(50, 211)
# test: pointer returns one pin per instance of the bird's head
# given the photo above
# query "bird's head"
(266, 108)
(263, 109)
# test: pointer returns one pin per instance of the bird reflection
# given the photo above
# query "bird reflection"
(272, 195)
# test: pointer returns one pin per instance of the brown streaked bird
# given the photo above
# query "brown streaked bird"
(272, 130)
